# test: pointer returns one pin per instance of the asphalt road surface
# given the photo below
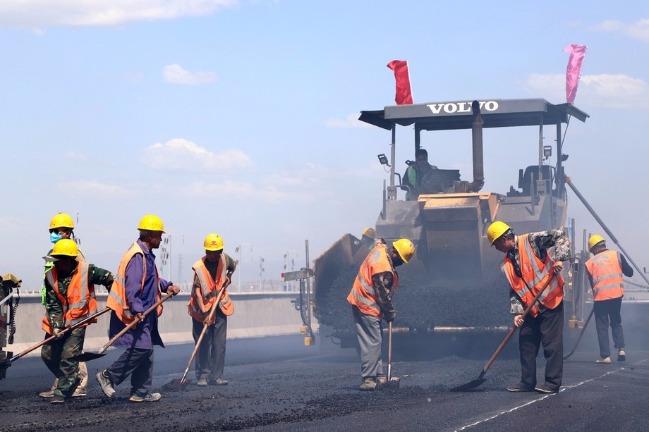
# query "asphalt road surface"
(277, 384)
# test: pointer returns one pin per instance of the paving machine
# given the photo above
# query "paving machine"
(9, 298)
(453, 284)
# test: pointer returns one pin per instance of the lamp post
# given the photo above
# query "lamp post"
(239, 250)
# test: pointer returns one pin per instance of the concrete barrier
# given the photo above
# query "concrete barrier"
(255, 315)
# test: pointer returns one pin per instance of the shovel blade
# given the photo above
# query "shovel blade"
(87, 356)
(392, 384)
(469, 386)
(177, 384)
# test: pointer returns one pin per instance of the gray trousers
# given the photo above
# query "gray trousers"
(368, 330)
(210, 358)
(604, 310)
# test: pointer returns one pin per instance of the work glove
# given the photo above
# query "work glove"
(58, 333)
(389, 316)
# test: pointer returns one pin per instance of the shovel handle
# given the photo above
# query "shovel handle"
(389, 351)
(64, 331)
(134, 323)
(514, 328)
(215, 306)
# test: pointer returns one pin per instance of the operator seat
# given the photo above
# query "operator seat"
(527, 180)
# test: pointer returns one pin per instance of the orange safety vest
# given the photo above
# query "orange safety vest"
(79, 300)
(117, 295)
(535, 272)
(606, 271)
(209, 290)
(363, 294)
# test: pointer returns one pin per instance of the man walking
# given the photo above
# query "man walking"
(371, 300)
(605, 270)
(137, 288)
(528, 266)
(212, 275)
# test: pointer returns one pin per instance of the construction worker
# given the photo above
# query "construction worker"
(137, 288)
(62, 227)
(371, 300)
(212, 275)
(528, 266)
(69, 298)
(605, 270)
(417, 174)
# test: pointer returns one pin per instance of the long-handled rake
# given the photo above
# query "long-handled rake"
(87, 356)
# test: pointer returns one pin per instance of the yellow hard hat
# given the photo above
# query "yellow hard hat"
(496, 230)
(62, 220)
(213, 242)
(152, 223)
(65, 247)
(594, 240)
(405, 249)
(369, 232)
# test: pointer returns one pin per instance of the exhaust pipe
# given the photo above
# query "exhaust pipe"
(478, 160)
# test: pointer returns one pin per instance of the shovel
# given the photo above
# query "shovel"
(478, 381)
(87, 356)
(391, 382)
(180, 384)
(64, 331)
(581, 333)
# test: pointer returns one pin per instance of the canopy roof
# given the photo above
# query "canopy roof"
(458, 114)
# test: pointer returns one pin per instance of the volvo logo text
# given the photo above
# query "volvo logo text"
(461, 107)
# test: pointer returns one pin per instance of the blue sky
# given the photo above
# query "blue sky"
(239, 116)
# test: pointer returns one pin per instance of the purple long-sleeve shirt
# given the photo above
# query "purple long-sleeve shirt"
(140, 297)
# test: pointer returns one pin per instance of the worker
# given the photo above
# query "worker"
(62, 227)
(528, 266)
(417, 174)
(212, 274)
(69, 298)
(605, 270)
(367, 237)
(371, 300)
(137, 288)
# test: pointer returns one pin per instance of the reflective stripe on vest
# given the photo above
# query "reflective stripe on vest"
(79, 300)
(606, 272)
(363, 293)
(535, 272)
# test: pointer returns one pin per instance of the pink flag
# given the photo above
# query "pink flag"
(577, 54)
(403, 95)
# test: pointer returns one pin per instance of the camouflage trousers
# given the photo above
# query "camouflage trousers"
(57, 357)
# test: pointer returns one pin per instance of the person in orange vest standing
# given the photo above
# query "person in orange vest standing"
(137, 288)
(212, 275)
(371, 301)
(605, 272)
(69, 298)
(528, 266)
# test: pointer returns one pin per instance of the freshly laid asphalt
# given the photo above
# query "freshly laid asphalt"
(278, 384)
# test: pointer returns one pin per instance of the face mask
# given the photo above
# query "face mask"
(54, 237)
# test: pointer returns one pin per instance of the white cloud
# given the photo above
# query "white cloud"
(351, 121)
(604, 90)
(636, 30)
(175, 74)
(94, 187)
(181, 155)
(36, 14)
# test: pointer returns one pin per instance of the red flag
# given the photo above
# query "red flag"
(403, 95)
(577, 54)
